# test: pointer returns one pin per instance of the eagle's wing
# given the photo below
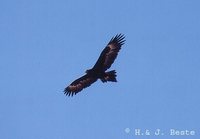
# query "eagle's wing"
(79, 84)
(110, 52)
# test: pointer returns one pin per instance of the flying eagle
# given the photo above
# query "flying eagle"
(106, 59)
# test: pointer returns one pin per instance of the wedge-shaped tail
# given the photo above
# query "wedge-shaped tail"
(109, 76)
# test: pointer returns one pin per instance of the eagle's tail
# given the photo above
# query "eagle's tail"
(109, 76)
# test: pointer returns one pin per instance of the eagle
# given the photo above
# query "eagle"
(99, 70)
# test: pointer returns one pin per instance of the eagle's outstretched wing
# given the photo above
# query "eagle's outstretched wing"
(110, 52)
(79, 84)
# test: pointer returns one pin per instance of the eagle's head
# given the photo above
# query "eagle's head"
(88, 71)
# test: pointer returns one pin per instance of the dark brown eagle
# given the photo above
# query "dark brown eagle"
(107, 57)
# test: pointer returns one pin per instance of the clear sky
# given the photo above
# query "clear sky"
(46, 44)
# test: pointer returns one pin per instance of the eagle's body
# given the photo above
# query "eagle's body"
(102, 75)
(107, 57)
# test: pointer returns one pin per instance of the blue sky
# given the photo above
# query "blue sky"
(46, 44)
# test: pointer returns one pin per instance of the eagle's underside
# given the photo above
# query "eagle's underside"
(104, 62)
